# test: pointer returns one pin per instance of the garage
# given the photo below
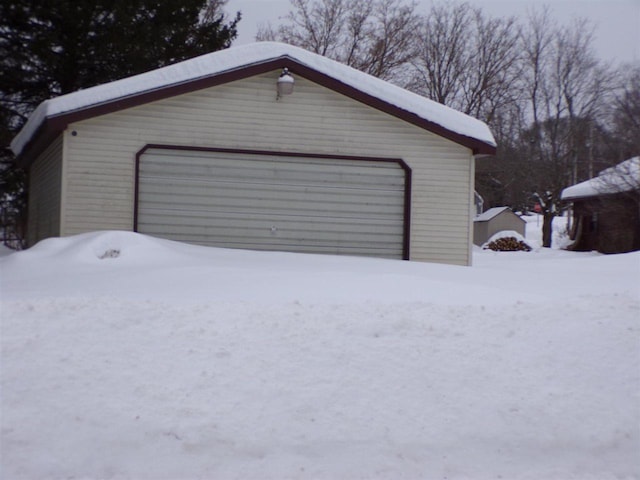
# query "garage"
(274, 201)
(207, 151)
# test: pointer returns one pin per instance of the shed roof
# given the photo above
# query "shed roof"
(492, 213)
(52, 116)
(623, 177)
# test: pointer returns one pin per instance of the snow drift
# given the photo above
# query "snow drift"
(125, 356)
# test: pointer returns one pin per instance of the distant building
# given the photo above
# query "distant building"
(494, 220)
(606, 210)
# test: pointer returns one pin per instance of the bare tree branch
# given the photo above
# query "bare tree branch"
(375, 36)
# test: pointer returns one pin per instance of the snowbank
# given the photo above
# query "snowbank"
(129, 357)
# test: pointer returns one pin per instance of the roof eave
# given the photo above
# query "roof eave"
(593, 195)
(53, 126)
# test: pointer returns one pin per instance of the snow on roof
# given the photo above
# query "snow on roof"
(623, 177)
(489, 214)
(235, 58)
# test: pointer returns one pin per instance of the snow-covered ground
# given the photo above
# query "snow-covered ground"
(129, 357)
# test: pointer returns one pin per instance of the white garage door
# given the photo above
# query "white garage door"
(273, 202)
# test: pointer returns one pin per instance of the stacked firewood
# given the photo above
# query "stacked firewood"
(507, 244)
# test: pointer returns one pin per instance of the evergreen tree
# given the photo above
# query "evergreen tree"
(53, 47)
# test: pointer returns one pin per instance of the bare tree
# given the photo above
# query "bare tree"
(537, 84)
(536, 43)
(467, 60)
(625, 114)
(472, 62)
(565, 87)
(375, 36)
(313, 25)
(443, 54)
(391, 38)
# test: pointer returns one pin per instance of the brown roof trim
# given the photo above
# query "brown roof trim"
(406, 227)
(53, 126)
(50, 129)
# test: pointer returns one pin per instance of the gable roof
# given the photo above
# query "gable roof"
(623, 177)
(52, 116)
(492, 213)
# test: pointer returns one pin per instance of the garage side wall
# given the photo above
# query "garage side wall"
(245, 114)
(45, 191)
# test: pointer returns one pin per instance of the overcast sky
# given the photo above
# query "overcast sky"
(617, 22)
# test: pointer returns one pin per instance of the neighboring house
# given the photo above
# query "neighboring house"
(494, 220)
(205, 151)
(606, 210)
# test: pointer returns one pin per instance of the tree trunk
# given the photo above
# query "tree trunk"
(547, 230)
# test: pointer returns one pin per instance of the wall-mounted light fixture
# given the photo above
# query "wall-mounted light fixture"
(285, 83)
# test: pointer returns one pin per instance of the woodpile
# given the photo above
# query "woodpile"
(507, 244)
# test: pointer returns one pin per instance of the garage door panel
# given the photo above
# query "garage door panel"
(338, 206)
(380, 248)
(369, 250)
(268, 223)
(221, 188)
(277, 172)
(273, 227)
(238, 190)
(241, 239)
(257, 204)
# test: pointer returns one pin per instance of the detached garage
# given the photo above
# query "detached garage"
(208, 151)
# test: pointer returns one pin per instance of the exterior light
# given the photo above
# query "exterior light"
(285, 83)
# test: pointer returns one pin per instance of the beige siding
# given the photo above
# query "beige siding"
(245, 114)
(45, 194)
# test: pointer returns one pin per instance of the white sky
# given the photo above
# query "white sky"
(617, 22)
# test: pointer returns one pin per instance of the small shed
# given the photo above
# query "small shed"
(495, 220)
(606, 210)
(209, 151)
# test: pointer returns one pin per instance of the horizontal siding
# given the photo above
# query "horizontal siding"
(246, 115)
(45, 194)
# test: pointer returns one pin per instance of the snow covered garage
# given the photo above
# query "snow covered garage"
(206, 151)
